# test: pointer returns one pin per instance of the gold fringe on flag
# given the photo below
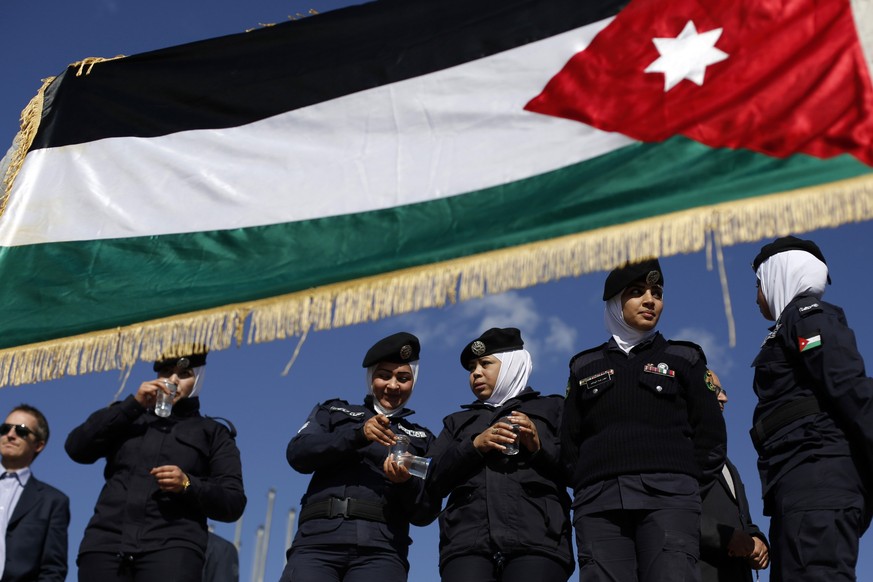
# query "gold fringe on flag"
(374, 298)
(31, 116)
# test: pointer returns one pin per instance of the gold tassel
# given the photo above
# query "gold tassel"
(436, 285)
(31, 116)
(87, 64)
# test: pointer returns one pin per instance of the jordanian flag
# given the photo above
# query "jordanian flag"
(804, 343)
(404, 153)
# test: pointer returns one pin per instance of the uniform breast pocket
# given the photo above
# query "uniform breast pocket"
(594, 388)
(191, 454)
(666, 386)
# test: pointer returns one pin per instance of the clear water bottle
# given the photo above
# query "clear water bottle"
(164, 401)
(511, 448)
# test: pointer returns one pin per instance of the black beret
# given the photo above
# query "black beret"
(194, 358)
(787, 243)
(621, 277)
(399, 348)
(493, 341)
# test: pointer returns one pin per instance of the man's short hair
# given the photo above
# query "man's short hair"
(42, 426)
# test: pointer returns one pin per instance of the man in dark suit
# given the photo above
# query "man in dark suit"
(222, 560)
(33, 515)
(731, 546)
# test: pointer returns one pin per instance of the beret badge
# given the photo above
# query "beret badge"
(406, 351)
(478, 348)
(652, 277)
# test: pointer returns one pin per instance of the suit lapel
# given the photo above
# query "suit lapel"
(29, 498)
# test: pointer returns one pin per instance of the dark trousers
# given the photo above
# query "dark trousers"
(652, 545)
(476, 568)
(343, 563)
(169, 565)
(817, 522)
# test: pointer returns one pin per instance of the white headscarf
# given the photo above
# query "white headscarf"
(515, 369)
(786, 275)
(625, 336)
(199, 373)
(379, 408)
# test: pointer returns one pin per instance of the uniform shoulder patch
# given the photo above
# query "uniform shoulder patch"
(337, 405)
(812, 341)
(807, 306)
(685, 349)
(421, 434)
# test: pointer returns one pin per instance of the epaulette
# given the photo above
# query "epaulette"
(599, 349)
(808, 305)
(226, 424)
(688, 350)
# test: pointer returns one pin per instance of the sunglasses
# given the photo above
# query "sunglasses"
(20, 429)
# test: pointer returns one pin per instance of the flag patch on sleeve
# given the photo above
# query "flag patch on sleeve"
(808, 343)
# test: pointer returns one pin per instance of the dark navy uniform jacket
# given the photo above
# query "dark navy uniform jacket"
(517, 505)
(132, 515)
(811, 352)
(344, 464)
(648, 412)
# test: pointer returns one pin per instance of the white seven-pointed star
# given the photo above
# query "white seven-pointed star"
(686, 56)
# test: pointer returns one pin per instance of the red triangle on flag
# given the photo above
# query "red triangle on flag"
(794, 79)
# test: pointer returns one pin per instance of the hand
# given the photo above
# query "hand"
(395, 472)
(148, 392)
(527, 431)
(377, 430)
(760, 556)
(170, 478)
(495, 437)
(740, 545)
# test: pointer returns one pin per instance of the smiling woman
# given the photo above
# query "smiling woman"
(355, 515)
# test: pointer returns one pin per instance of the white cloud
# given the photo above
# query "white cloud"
(454, 326)
(561, 338)
(717, 355)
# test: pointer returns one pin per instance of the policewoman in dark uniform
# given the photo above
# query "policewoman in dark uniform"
(507, 517)
(164, 478)
(355, 515)
(813, 425)
(641, 434)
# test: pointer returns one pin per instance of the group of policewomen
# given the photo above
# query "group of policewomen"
(638, 437)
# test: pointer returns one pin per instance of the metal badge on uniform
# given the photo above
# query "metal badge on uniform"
(478, 348)
(652, 278)
(405, 352)
(661, 369)
(596, 379)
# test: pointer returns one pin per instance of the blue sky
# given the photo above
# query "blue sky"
(245, 384)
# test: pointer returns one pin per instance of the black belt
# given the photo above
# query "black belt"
(346, 508)
(783, 416)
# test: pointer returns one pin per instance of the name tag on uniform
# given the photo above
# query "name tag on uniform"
(597, 379)
(661, 369)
